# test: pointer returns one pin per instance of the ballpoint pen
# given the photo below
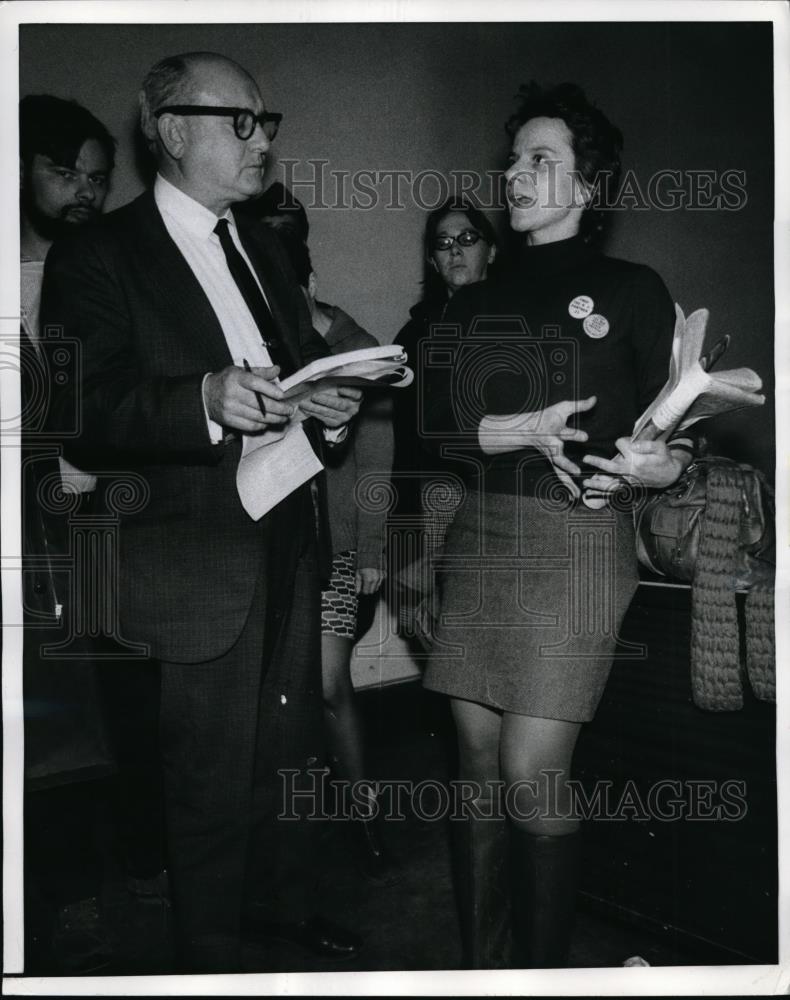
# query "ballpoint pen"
(258, 396)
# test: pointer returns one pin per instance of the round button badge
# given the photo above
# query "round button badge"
(581, 306)
(596, 326)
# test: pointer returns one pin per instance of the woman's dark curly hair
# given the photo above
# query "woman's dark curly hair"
(596, 143)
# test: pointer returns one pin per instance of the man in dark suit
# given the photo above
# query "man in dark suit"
(171, 298)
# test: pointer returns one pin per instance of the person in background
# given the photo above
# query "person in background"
(460, 248)
(66, 157)
(357, 533)
(279, 209)
(583, 344)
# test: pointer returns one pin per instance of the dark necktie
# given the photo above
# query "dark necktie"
(254, 299)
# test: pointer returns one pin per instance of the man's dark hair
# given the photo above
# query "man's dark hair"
(298, 254)
(278, 200)
(596, 143)
(53, 127)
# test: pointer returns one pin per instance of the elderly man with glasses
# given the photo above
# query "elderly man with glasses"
(185, 316)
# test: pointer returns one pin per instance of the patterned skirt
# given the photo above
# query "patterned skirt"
(533, 593)
(339, 601)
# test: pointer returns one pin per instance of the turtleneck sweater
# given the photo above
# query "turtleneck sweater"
(565, 323)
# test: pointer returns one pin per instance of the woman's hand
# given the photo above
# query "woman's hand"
(369, 579)
(647, 463)
(547, 430)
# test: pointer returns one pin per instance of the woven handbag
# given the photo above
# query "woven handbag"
(669, 524)
(714, 528)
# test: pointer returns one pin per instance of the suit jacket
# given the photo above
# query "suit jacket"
(146, 335)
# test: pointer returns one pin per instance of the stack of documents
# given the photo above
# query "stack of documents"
(276, 462)
(692, 392)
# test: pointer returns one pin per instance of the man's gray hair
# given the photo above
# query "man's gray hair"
(168, 82)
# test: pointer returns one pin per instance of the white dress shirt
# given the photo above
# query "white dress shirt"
(191, 227)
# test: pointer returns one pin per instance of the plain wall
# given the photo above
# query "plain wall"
(435, 97)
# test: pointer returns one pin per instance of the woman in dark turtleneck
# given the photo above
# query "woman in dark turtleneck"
(549, 370)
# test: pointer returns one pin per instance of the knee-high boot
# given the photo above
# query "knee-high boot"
(544, 878)
(480, 863)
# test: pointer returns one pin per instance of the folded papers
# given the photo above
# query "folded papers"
(276, 462)
(384, 366)
(692, 392)
(273, 464)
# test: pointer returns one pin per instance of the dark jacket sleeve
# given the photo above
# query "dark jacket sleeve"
(107, 405)
(373, 448)
(653, 329)
(356, 514)
(444, 416)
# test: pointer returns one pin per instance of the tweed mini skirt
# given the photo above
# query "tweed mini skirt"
(533, 592)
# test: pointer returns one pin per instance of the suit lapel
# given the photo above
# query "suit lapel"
(172, 281)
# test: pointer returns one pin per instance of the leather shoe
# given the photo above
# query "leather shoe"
(317, 934)
(80, 939)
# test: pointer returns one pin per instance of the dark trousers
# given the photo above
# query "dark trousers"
(130, 693)
(62, 856)
(227, 727)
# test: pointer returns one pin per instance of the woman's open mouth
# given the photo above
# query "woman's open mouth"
(521, 200)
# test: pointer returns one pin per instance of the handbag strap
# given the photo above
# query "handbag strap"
(760, 642)
(715, 661)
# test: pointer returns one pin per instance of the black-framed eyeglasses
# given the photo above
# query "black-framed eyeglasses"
(244, 120)
(467, 238)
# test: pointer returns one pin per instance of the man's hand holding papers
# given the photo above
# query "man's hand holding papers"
(275, 463)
